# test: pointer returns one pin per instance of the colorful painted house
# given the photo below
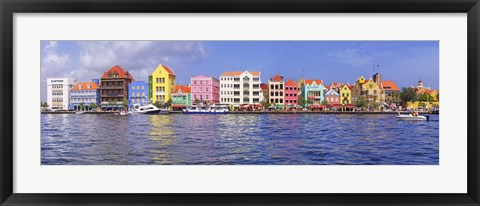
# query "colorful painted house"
(276, 89)
(206, 89)
(138, 93)
(291, 93)
(373, 91)
(85, 96)
(313, 91)
(345, 94)
(161, 84)
(114, 87)
(391, 90)
(181, 97)
(332, 97)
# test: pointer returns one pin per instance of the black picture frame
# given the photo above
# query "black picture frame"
(10, 7)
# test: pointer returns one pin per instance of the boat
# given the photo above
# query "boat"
(147, 109)
(215, 109)
(410, 117)
(81, 112)
(164, 111)
(124, 113)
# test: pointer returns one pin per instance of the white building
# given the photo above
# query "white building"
(58, 92)
(237, 88)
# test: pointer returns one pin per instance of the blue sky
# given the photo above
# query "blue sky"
(404, 62)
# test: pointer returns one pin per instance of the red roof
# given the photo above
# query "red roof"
(276, 78)
(239, 73)
(84, 86)
(390, 85)
(291, 83)
(121, 73)
(263, 86)
(184, 89)
(309, 82)
(168, 70)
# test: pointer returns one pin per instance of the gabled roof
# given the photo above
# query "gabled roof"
(309, 82)
(184, 89)
(236, 73)
(121, 73)
(390, 85)
(330, 91)
(167, 69)
(291, 83)
(85, 86)
(276, 78)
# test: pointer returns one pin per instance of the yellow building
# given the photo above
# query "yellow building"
(373, 92)
(345, 94)
(161, 84)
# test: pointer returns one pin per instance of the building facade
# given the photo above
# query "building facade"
(161, 84)
(85, 96)
(332, 97)
(138, 93)
(58, 93)
(313, 92)
(345, 94)
(114, 87)
(205, 89)
(276, 86)
(181, 97)
(291, 93)
(240, 88)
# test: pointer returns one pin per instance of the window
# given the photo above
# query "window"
(138, 87)
(206, 96)
(195, 82)
(206, 89)
(133, 87)
(143, 87)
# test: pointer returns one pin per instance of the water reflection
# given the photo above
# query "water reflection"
(238, 139)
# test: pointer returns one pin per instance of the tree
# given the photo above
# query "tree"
(424, 97)
(125, 103)
(265, 102)
(168, 103)
(82, 106)
(43, 105)
(407, 95)
(302, 101)
(159, 104)
(361, 102)
(197, 101)
(375, 105)
(92, 105)
(422, 104)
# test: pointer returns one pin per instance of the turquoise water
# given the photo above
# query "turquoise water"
(233, 139)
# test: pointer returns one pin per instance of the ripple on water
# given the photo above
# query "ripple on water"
(268, 139)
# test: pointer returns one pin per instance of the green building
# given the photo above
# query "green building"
(181, 97)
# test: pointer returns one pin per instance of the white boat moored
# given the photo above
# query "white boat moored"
(411, 117)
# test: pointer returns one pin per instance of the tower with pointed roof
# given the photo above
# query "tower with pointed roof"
(161, 84)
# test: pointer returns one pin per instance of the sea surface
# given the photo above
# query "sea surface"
(238, 139)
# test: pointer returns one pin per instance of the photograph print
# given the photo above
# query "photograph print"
(239, 102)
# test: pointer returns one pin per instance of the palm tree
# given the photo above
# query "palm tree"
(197, 101)
(125, 103)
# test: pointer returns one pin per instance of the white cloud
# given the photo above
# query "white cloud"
(139, 57)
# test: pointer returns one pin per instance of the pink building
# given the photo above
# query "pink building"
(291, 93)
(205, 89)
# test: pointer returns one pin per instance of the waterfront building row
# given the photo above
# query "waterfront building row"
(235, 88)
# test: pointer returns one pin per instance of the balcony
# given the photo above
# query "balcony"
(159, 93)
(112, 87)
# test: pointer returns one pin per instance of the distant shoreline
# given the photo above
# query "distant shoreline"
(264, 112)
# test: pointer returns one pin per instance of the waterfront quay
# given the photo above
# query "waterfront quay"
(260, 112)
